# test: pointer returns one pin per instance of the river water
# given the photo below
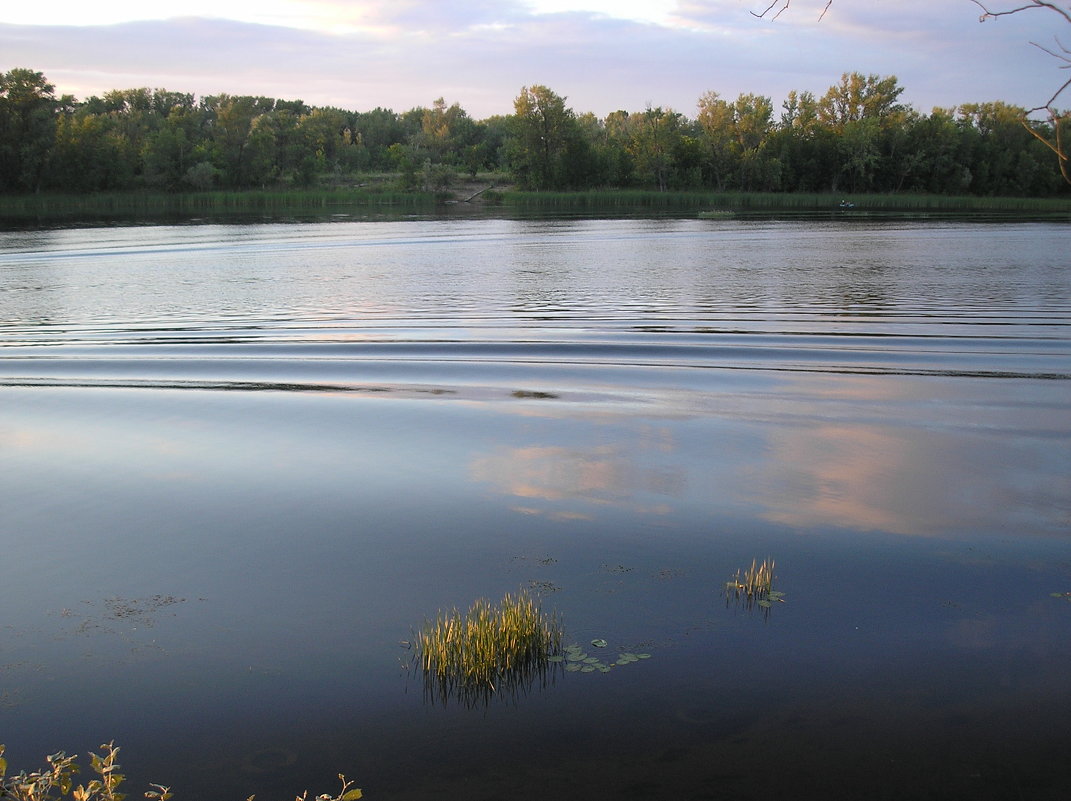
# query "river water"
(242, 464)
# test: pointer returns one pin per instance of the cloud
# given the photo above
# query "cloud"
(450, 15)
(404, 53)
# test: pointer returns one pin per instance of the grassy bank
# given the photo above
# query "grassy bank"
(340, 200)
(153, 204)
(601, 200)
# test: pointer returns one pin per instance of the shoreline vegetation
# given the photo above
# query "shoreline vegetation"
(498, 197)
(153, 148)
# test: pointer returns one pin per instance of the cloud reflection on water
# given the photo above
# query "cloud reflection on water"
(917, 457)
(896, 454)
(597, 475)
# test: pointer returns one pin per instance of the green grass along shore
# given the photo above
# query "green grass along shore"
(484, 194)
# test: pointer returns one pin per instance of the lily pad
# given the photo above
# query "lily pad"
(587, 669)
(765, 604)
(572, 667)
(591, 660)
(599, 643)
(556, 658)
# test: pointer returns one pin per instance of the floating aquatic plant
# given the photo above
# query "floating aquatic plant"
(488, 649)
(576, 660)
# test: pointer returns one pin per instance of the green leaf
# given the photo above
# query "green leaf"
(643, 656)
(353, 795)
(764, 604)
(599, 643)
(572, 667)
(591, 660)
(556, 658)
(587, 669)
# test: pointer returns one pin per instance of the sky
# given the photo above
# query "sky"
(602, 55)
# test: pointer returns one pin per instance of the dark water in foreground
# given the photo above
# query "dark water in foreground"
(241, 464)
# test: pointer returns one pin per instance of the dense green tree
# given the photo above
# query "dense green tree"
(438, 128)
(376, 131)
(752, 124)
(856, 137)
(88, 154)
(860, 97)
(230, 134)
(930, 160)
(543, 131)
(28, 111)
(716, 123)
(654, 136)
(735, 137)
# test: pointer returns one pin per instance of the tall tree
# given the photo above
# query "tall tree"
(860, 97)
(28, 110)
(544, 129)
(716, 123)
(656, 136)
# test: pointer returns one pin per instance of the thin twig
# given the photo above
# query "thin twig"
(784, 8)
(987, 14)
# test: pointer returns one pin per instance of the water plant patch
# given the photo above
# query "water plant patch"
(575, 659)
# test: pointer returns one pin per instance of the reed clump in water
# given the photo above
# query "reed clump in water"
(488, 649)
(754, 586)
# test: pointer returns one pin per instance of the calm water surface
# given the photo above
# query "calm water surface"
(241, 464)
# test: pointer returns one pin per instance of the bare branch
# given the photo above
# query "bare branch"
(1065, 56)
(784, 7)
(987, 14)
(769, 8)
(1049, 104)
(1056, 147)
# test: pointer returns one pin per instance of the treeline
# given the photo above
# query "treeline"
(857, 137)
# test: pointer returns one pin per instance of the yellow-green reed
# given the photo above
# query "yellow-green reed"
(755, 584)
(487, 649)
